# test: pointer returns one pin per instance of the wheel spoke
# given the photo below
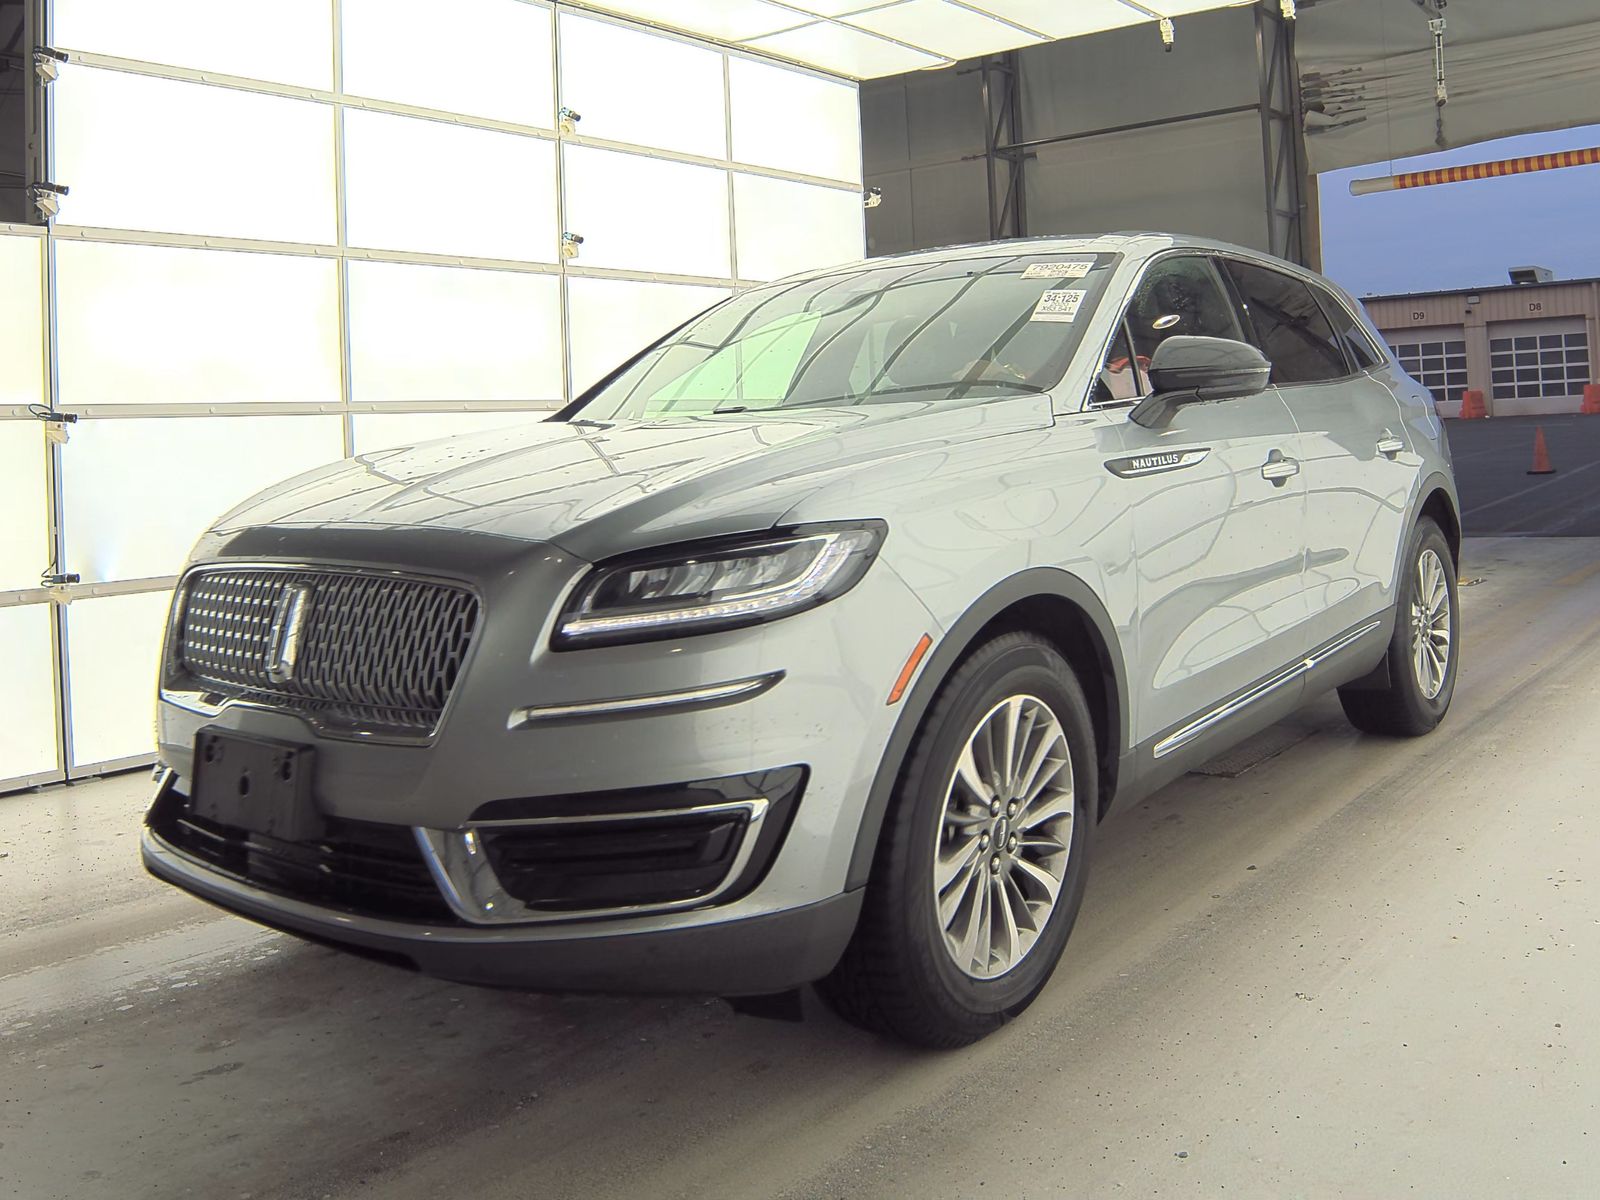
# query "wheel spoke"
(1047, 804)
(1038, 876)
(1000, 903)
(971, 776)
(951, 901)
(946, 869)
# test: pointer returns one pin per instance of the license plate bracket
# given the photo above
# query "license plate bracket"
(259, 785)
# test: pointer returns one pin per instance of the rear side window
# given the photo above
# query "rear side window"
(1290, 327)
(1348, 331)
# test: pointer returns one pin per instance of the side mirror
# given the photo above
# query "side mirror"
(1187, 370)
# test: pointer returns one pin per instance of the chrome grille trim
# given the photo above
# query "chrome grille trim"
(379, 655)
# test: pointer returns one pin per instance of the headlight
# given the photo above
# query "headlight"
(717, 585)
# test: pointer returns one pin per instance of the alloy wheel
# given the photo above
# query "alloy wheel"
(1430, 625)
(1004, 838)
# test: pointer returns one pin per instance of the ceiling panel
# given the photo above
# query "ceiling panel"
(865, 39)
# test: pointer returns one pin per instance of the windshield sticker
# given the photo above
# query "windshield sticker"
(1057, 270)
(1059, 304)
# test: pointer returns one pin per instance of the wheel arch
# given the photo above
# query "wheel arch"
(1048, 601)
(1439, 504)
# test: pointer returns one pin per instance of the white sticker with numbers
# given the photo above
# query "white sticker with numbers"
(1057, 270)
(1059, 304)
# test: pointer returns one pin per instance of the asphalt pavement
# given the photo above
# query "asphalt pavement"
(1499, 496)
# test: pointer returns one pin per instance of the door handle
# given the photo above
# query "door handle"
(1280, 469)
(1389, 445)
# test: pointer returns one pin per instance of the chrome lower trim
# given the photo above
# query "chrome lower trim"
(1188, 733)
(460, 866)
(710, 696)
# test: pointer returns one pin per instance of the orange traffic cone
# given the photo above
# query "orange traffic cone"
(1472, 407)
(1591, 399)
(1541, 456)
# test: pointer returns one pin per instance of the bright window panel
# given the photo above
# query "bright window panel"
(287, 41)
(24, 519)
(844, 50)
(27, 693)
(610, 320)
(21, 323)
(787, 227)
(162, 154)
(452, 333)
(140, 491)
(169, 325)
(488, 58)
(632, 86)
(943, 28)
(113, 648)
(491, 195)
(796, 122)
(645, 214)
(384, 431)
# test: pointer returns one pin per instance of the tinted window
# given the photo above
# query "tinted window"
(1349, 333)
(1289, 326)
(1179, 296)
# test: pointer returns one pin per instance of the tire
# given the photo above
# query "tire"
(901, 974)
(1419, 691)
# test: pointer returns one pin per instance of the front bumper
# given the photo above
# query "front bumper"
(751, 956)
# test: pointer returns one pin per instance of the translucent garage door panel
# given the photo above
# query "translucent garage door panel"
(21, 322)
(167, 325)
(113, 646)
(786, 227)
(632, 86)
(425, 333)
(794, 122)
(27, 693)
(487, 58)
(138, 492)
(24, 524)
(611, 319)
(491, 195)
(643, 214)
(381, 431)
(161, 154)
(287, 41)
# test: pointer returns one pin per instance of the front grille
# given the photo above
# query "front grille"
(356, 866)
(377, 652)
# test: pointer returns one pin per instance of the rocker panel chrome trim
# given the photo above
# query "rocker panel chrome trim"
(1187, 733)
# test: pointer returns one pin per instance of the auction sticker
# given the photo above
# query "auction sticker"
(1059, 304)
(1057, 270)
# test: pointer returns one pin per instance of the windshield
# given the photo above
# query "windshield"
(903, 331)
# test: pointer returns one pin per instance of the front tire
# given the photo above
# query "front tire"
(1424, 650)
(983, 857)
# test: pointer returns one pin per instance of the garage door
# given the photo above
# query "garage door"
(302, 231)
(1538, 366)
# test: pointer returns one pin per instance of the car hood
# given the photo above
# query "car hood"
(596, 490)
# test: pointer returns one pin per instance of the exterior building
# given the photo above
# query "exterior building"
(1529, 348)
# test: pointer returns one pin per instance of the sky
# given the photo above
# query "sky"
(1462, 235)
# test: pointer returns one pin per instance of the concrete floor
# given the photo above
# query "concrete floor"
(1360, 968)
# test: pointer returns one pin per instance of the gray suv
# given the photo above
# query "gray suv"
(814, 643)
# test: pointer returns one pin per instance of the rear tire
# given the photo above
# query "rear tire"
(981, 864)
(1424, 650)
